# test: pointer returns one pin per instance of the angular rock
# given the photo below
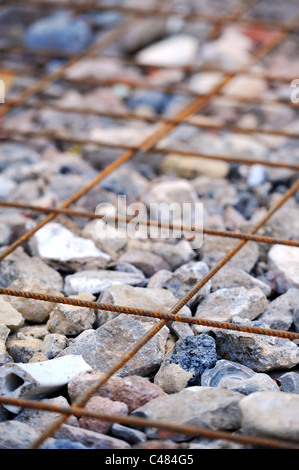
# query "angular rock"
(258, 352)
(53, 344)
(192, 354)
(214, 248)
(143, 33)
(290, 382)
(150, 299)
(70, 320)
(40, 420)
(225, 304)
(174, 255)
(5, 234)
(230, 277)
(97, 281)
(62, 249)
(177, 50)
(59, 31)
(149, 263)
(32, 310)
(205, 407)
(158, 279)
(19, 264)
(17, 435)
(185, 277)
(101, 405)
(190, 167)
(103, 347)
(4, 356)
(175, 190)
(21, 348)
(133, 390)
(234, 376)
(280, 312)
(284, 261)
(64, 444)
(271, 414)
(9, 316)
(130, 435)
(91, 439)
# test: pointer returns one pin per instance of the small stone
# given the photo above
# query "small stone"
(133, 390)
(244, 85)
(284, 261)
(174, 255)
(19, 264)
(38, 357)
(204, 407)
(21, 348)
(130, 435)
(214, 248)
(257, 176)
(193, 354)
(271, 414)
(9, 316)
(53, 344)
(190, 167)
(5, 234)
(70, 320)
(178, 190)
(143, 33)
(258, 352)
(290, 382)
(204, 82)
(172, 378)
(59, 31)
(229, 277)
(224, 304)
(90, 439)
(97, 281)
(64, 444)
(280, 312)
(34, 331)
(32, 309)
(237, 377)
(158, 279)
(160, 444)
(16, 435)
(103, 347)
(101, 405)
(7, 187)
(185, 277)
(161, 300)
(62, 249)
(149, 263)
(40, 420)
(177, 50)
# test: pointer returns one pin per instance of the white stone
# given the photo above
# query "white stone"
(204, 82)
(9, 316)
(59, 246)
(97, 281)
(177, 50)
(246, 86)
(38, 379)
(284, 261)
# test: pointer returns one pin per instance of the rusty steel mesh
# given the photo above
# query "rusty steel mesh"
(273, 33)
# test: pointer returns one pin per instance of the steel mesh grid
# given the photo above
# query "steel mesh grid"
(150, 144)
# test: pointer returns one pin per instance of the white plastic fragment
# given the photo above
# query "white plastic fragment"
(39, 379)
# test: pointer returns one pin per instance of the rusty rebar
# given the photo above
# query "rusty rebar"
(136, 421)
(151, 223)
(81, 401)
(149, 313)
